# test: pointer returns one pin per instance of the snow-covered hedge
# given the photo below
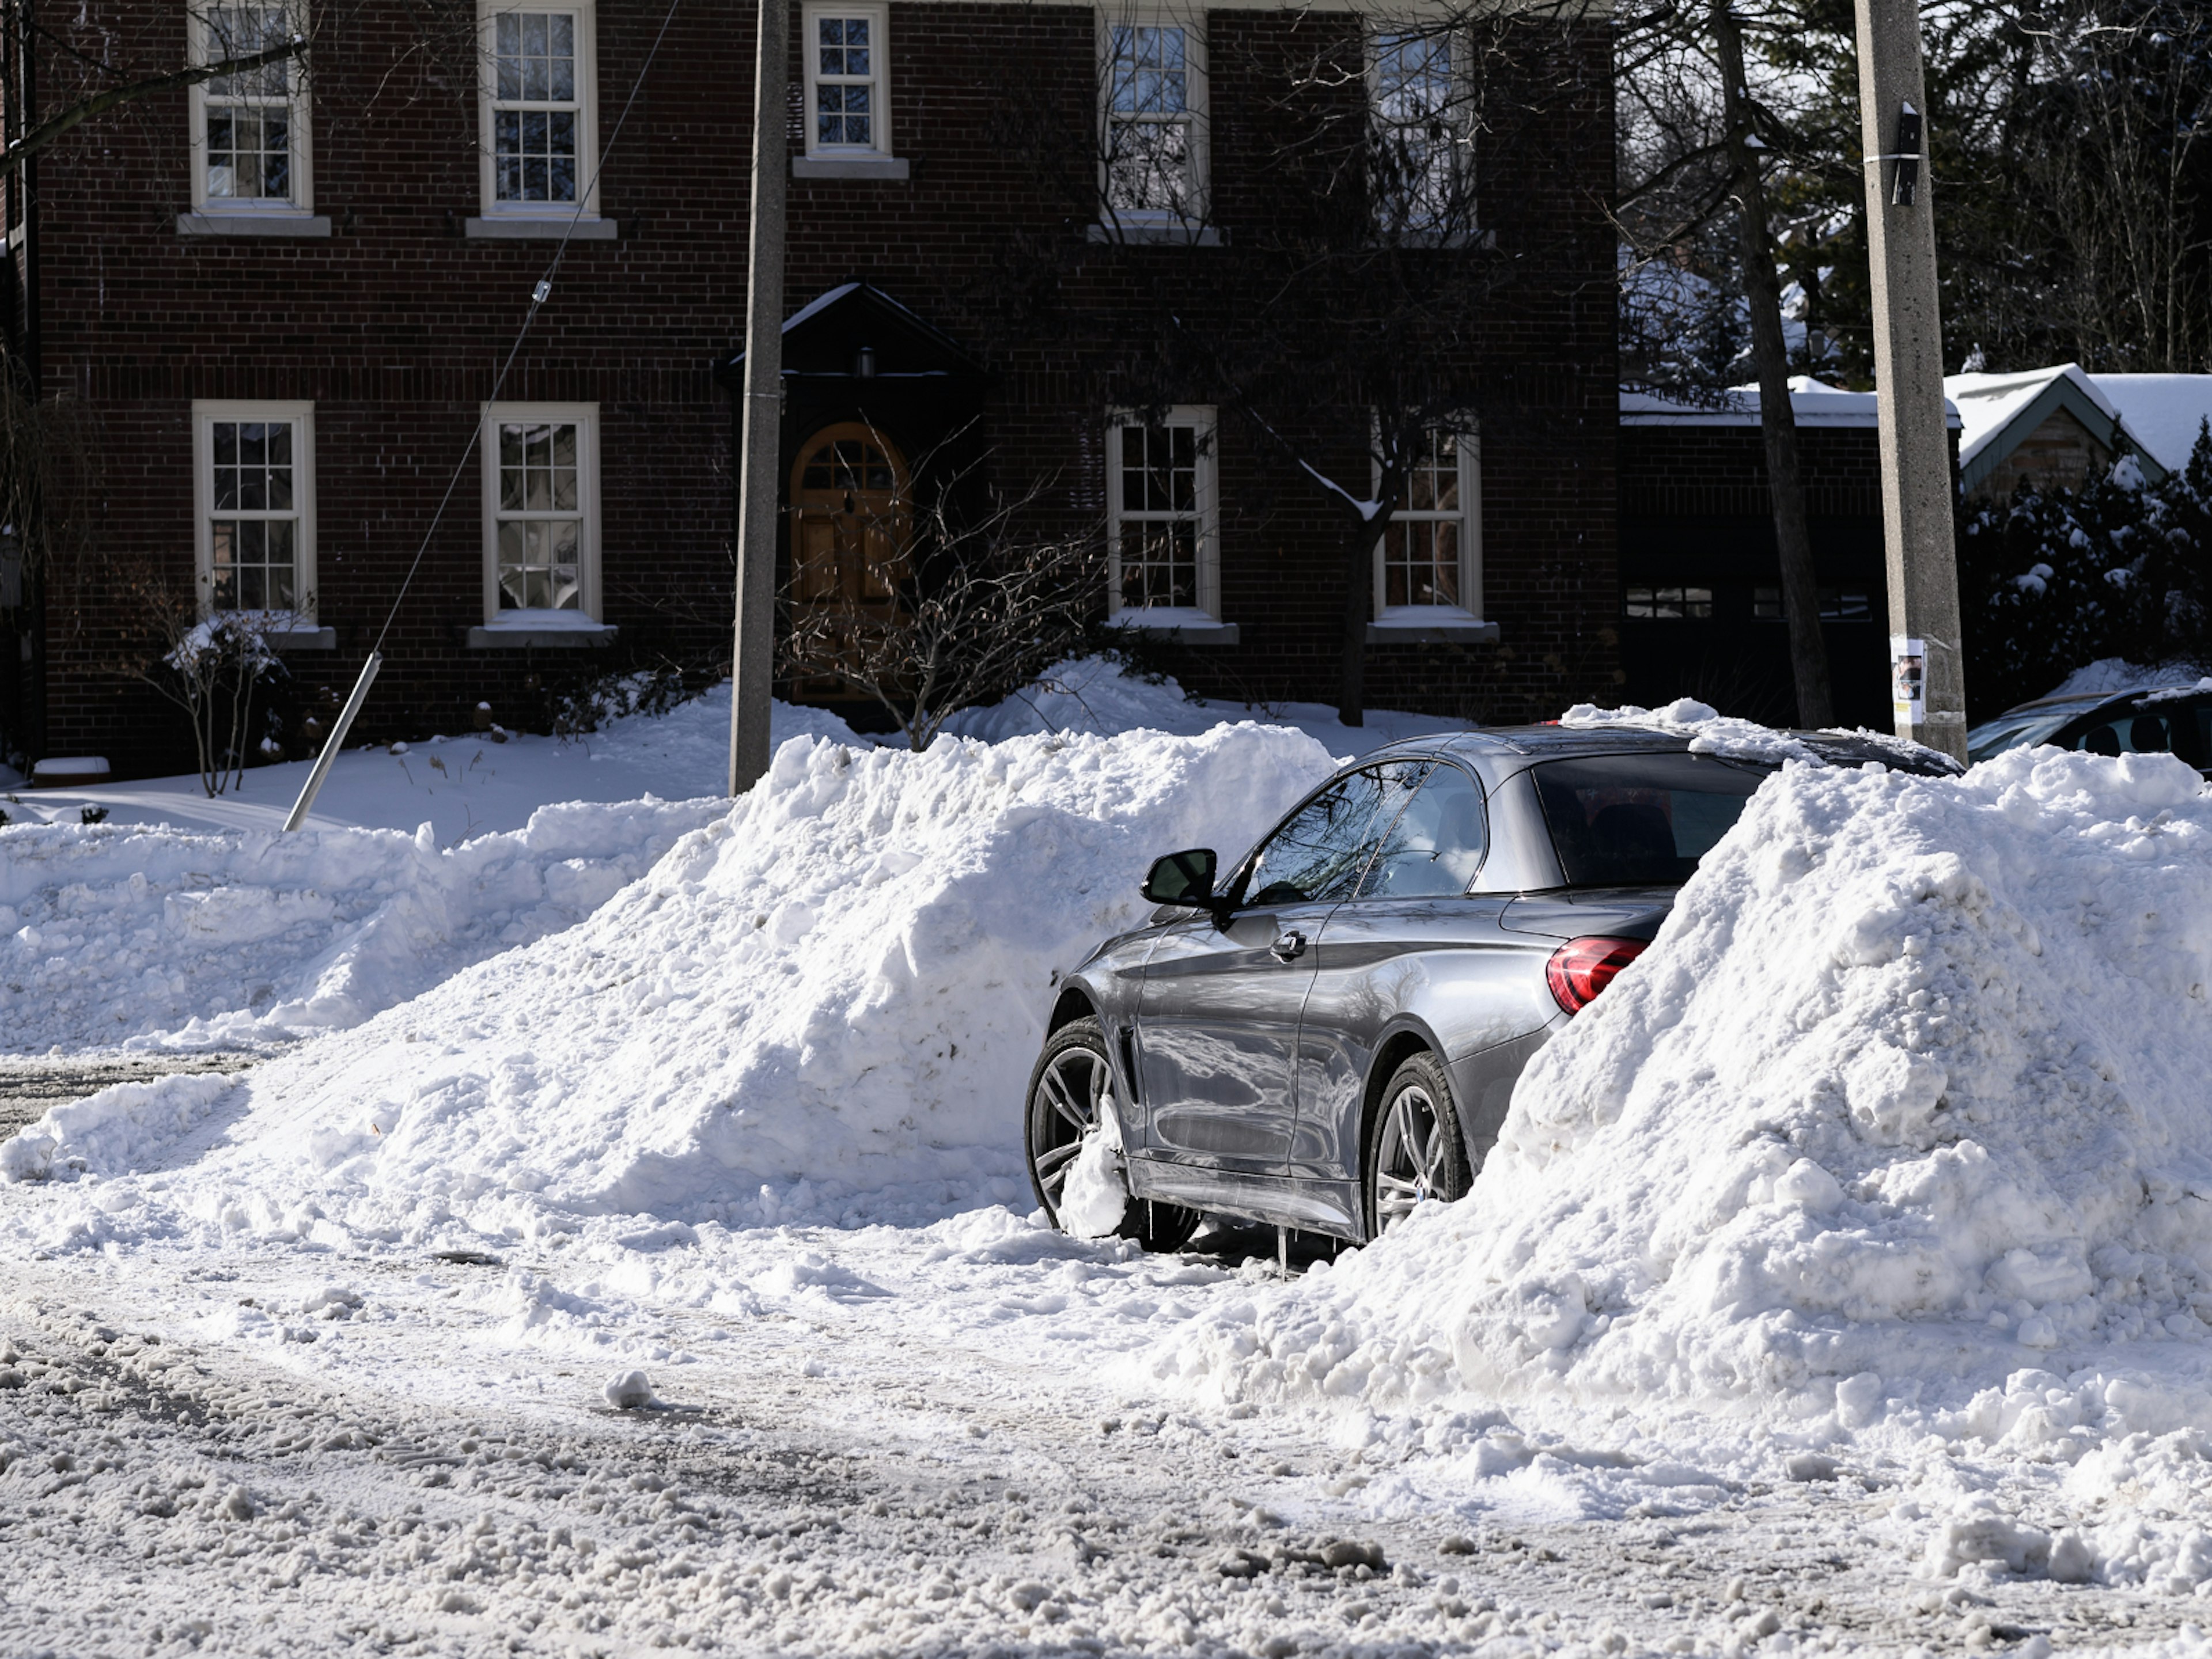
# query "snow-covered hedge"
(2054, 579)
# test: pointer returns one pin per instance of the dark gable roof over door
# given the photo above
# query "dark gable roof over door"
(823, 337)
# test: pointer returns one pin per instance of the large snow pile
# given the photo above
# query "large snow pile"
(840, 982)
(112, 933)
(1909, 1097)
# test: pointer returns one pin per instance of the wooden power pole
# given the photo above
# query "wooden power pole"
(1928, 669)
(752, 664)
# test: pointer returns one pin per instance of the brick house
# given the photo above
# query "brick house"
(275, 309)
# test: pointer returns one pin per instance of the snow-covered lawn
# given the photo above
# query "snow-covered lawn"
(1840, 1283)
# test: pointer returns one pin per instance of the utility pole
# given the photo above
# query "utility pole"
(751, 667)
(1928, 669)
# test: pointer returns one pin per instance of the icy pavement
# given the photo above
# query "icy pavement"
(270, 1453)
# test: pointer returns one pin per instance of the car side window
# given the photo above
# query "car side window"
(2171, 724)
(1320, 853)
(1436, 844)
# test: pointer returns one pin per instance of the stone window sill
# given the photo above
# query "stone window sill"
(1183, 630)
(891, 168)
(254, 224)
(1456, 631)
(519, 229)
(304, 639)
(498, 638)
(1156, 235)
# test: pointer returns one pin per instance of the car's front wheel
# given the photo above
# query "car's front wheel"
(1415, 1150)
(1067, 1090)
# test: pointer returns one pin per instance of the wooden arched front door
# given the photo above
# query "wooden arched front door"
(851, 521)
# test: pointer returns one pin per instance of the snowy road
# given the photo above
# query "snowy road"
(29, 1084)
(411, 1477)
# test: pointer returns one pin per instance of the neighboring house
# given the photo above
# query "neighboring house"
(2055, 427)
(278, 306)
(1701, 583)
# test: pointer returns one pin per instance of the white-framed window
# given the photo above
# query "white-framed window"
(540, 95)
(1163, 542)
(1152, 117)
(848, 104)
(541, 513)
(249, 142)
(1421, 158)
(1429, 565)
(253, 487)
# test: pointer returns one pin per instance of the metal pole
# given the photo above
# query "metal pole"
(321, 770)
(1928, 671)
(752, 669)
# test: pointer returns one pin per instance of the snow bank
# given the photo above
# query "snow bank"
(1711, 732)
(110, 933)
(2110, 675)
(837, 986)
(1096, 693)
(1908, 1099)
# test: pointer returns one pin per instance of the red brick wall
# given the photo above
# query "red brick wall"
(394, 327)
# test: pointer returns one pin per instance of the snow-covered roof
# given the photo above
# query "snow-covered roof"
(1814, 403)
(1998, 412)
(2156, 415)
(2162, 412)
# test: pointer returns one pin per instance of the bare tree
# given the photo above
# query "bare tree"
(1785, 484)
(209, 666)
(125, 89)
(944, 606)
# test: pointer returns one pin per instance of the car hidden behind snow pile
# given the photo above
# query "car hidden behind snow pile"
(2144, 721)
(1332, 1034)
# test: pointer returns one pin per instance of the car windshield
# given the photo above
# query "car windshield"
(2016, 730)
(1641, 820)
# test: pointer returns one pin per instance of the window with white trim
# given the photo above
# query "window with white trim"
(541, 469)
(254, 488)
(848, 81)
(540, 90)
(250, 129)
(1420, 175)
(1161, 532)
(1153, 159)
(1429, 562)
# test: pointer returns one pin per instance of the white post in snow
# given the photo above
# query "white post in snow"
(751, 667)
(337, 741)
(1928, 670)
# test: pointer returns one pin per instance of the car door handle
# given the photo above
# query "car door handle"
(1290, 946)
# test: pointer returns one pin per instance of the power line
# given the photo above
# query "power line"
(539, 296)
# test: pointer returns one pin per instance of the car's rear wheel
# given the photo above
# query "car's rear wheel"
(1067, 1090)
(1415, 1150)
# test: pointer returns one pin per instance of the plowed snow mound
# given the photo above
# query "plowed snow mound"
(1914, 1090)
(841, 982)
(205, 937)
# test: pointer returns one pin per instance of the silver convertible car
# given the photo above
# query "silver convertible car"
(1332, 1033)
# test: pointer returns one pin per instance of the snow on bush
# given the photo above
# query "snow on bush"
(839, 984)
(1907, 1100)
(111, 933)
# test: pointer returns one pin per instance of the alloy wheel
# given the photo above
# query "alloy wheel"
(1064, 1108)
(1409, 1157)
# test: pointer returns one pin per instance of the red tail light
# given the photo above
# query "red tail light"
(1581, 968)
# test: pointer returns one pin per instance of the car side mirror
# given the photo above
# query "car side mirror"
(1182, 878)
